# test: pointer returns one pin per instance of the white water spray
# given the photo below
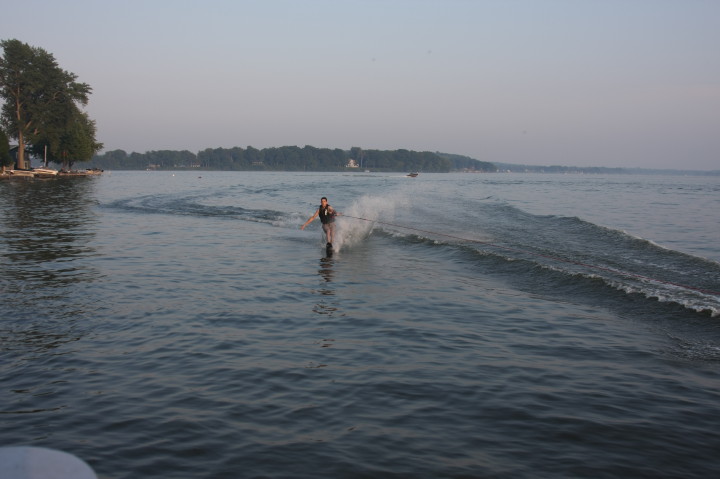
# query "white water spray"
(351, 231)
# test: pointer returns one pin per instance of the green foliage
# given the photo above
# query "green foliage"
(465, 163)
(285, 158)
(75, 141)
(41, 105)
(405, 160)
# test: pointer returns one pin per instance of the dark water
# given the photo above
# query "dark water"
(161, 325)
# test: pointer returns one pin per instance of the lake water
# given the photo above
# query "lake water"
(160, 324)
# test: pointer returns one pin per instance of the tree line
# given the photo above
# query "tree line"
(289, 158)
(41, 108)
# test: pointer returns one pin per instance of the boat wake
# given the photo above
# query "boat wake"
(557, 254)
(531, 250)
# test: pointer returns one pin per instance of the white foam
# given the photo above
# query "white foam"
(351, 231)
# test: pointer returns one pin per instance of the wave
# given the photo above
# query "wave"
(193, 206)
(573, 255)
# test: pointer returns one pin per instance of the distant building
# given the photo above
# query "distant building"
(28, 158)
(352, 164)
(14, 156)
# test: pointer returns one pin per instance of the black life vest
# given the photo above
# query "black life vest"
(327, 215)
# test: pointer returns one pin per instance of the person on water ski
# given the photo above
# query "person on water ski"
(327, 216)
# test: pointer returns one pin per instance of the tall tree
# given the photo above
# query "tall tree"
(78, 142)
(68, 141)
(41, 99)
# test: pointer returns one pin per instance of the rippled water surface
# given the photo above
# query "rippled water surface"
(161, 324)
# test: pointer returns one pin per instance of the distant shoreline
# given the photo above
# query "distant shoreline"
(356, 159)
(601, 170)
(517, 170)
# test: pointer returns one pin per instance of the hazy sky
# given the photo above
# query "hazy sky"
(633, 83)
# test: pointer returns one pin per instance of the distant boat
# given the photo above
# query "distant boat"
(413, 174)
(43, 172)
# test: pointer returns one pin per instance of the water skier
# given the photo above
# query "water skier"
(327, 216)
